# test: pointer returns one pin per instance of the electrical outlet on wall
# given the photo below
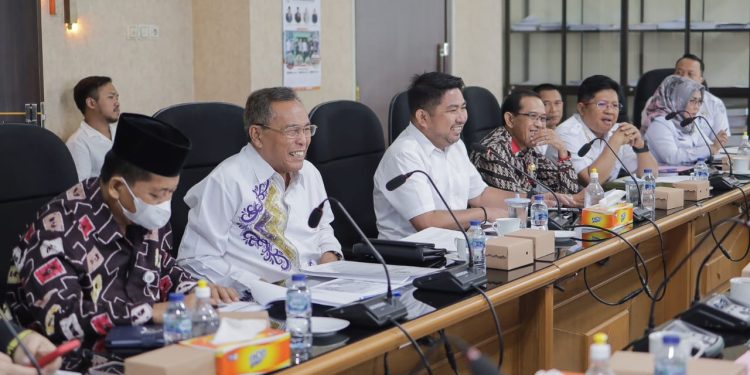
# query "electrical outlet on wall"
(153, 32)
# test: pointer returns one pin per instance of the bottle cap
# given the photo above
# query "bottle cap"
(647, 170)
(539, 197)
(299, 277)
(701, 159)
(203, 291)
(671, 340)
(594, 170)
(176, 297)
(600, 349)
(475, 222)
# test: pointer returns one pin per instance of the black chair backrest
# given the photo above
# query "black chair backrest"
(36, 166)
(399, 115)
(216, 131)
(346, 150)
(645, 88)
(483, 113)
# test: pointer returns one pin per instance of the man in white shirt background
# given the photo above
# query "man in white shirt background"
(713, 109)
(598, 109)
(432, 143)
(248, 217)
(97, 99)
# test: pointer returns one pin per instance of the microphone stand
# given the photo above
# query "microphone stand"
(459, 279)
(730, 180)
(375, 311)
(478, 147)
(639, 212)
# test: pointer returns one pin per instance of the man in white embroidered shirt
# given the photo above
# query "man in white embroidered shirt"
(248, 217)
(432, 143)
(97, 99)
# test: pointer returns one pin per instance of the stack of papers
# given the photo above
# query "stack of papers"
(366, 271)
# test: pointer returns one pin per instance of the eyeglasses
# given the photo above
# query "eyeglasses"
(695, 101)
(294, 132)
(533, 116)
(603, 105)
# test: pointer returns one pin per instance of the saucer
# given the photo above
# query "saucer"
(322, 326)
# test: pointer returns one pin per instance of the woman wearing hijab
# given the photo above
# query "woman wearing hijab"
(670, 142)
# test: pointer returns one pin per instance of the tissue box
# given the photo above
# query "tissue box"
(268, 351)
(634, 363)
(592, 237)
(694, 190)
(544, 240)
(614, 217)
(507, 253)
(171, 360)
(668, 198)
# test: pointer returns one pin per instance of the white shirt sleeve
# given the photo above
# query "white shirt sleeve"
(718, 116)
(476, 183)
(573, 142)
(667, 149)
(204, 245)
(81, 157)
(414, 197)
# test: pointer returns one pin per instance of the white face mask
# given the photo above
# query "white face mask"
(149, 216)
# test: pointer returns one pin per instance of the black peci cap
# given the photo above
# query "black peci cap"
(150, 144)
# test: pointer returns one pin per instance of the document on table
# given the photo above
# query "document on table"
(442, 238)
(345, 269)
(335, 292)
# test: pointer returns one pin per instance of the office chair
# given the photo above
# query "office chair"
(346, 150)
(216, 131)
(36, 166)
(483, 113)
(399, 115)
(645, 88)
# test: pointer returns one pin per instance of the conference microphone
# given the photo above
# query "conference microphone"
(719, 182)
(638, 212)
(482, 149)
(458, 279)
(375, 311)
(586, 147)
(687, 121)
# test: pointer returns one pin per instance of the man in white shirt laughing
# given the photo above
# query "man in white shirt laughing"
(248, 217)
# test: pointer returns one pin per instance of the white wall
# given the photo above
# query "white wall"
(149, 74)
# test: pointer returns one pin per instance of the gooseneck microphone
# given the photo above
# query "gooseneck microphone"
(637, 211)
(688, 120)
(373, 312)
(459, 279)
(482, 149)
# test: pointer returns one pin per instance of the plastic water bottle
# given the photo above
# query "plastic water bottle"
(701, 170)
(177, 323)
(599, 355)
(742, 159)
(298, 318)
(671, 360)
(205, 318)
(539, 213)
(478, 243)
(648, 195)
(594, 192)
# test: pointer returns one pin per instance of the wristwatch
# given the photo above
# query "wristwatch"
(641, 149)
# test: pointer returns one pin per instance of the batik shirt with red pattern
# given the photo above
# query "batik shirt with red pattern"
(74, 274)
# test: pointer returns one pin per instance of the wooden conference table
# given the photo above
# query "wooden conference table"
(548, 317)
